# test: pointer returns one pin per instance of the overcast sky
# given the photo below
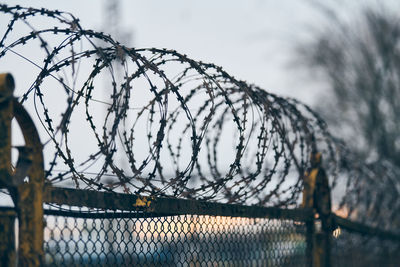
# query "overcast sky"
(251, 39)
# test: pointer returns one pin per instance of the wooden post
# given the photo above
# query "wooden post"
(26, 194)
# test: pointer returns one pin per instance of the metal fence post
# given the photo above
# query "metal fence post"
(27, 194)
(7, 235)
(6, 115)
(308, 203)
(322, 204)
(310, 242)
(316, 196)
(30, 193)
(7, 239)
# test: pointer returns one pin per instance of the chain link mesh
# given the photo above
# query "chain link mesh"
(79, 236)
(351, 249)
(185, 240)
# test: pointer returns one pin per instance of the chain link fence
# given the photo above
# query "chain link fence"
(351, 249)
(104, 238)
(81, 235)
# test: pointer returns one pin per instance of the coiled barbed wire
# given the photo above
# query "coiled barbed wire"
(168, 125)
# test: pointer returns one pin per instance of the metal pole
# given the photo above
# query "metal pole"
(7, 234)
(26, 194)
(323, 238)
(7, 238)
(316, 196)
(30, 193)
(308, 203)
(6, 115)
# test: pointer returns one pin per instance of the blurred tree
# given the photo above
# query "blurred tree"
(359, 59)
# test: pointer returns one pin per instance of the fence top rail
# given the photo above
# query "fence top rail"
(159, 206)
(365, 229)
(131, 206)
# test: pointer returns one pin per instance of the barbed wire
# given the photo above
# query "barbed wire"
(183, 128)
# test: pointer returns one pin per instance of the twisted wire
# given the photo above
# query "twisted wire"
(168, 125)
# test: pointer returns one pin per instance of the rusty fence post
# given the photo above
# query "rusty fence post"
(7, 238)
(308, 203)
(29, 193)
(6, 115)
(309, 242)
(322, 203)
(7, 234)
(26, 182)
(316, 196)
